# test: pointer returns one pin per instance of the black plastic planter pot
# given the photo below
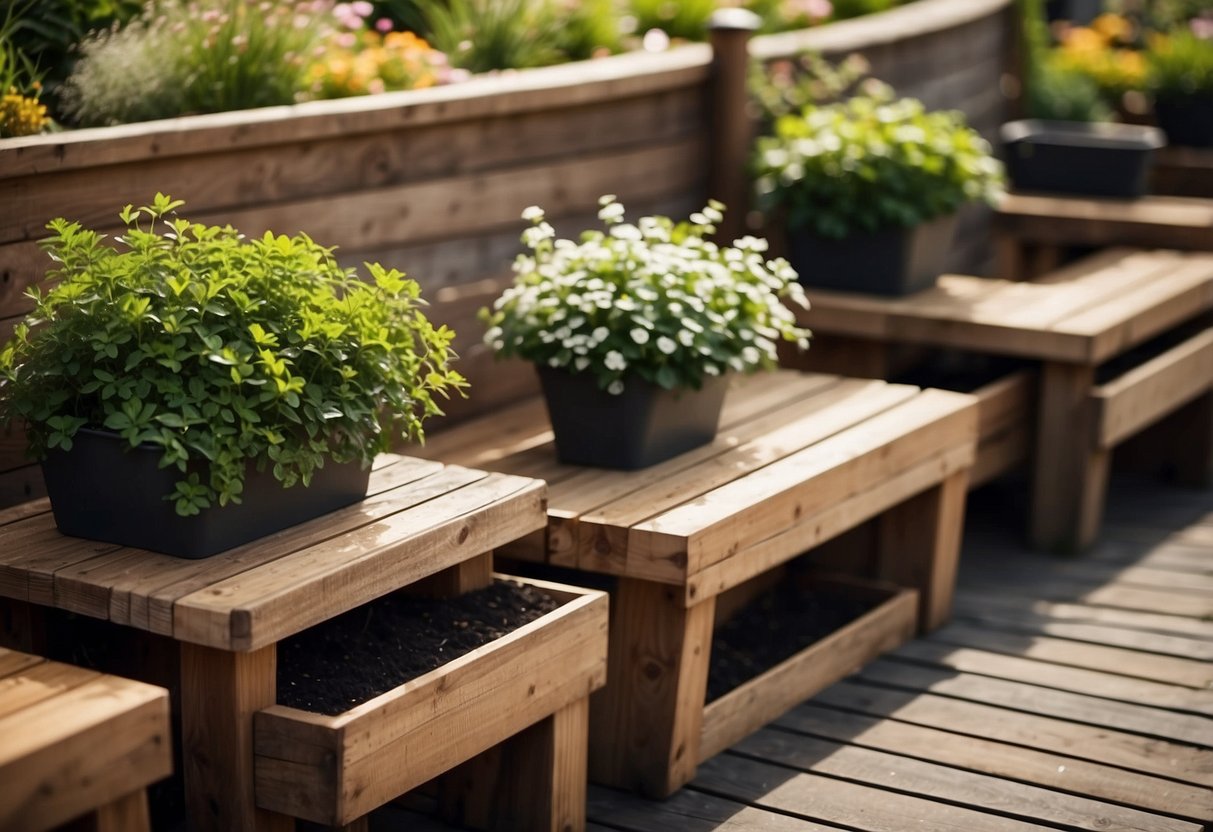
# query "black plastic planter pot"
(1186, 121)
(643, 425)
(1079, 158)
(895, 261)
(103, 490)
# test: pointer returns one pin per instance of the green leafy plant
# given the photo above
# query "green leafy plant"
(787, 86)
(1181, 64)
(655, 301)
(684, 20)
(1062, 94)
(198, 57)
(222, 352)
(870, 163)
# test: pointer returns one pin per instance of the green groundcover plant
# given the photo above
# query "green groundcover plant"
(655, 301)
(872, 162)
(1181, 64)
(222, 352)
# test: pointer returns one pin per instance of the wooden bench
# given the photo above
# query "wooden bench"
(800, 459)
(1033, 231)
(250, 763)
(75, 743)
(1121, 344)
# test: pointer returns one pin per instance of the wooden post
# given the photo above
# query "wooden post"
(920, 547)
(220, 693)
(732, 130)
(646, 724)
(1071, 474)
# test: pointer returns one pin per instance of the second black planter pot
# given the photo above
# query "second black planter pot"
(894, 261)
(104, 490)
(643, 425)
(1112, 160)
(1186, 121)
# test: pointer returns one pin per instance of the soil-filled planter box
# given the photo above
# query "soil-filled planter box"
(895, 261)
(335, 769)
(1150, 383)
(1006, 407)
(643, 425)
(1065, 157)
(889, 619)
(104, 490)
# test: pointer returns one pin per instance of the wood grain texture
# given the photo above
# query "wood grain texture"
(335, 769)
(77, 742)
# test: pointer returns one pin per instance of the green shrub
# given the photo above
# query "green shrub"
(1065, 95)
(870, 163)
(180, 58)
(1181, 65)
(789, 85)
(221, 351)
(684, 19)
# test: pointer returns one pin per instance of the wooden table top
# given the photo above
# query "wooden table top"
(418, 518)
(799, 457)
(1082, 314)
(1165, 221)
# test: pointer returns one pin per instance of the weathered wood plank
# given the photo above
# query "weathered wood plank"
(1104, 682)
(1134, 718)
(1025, 765)
(982, 792)
(1102, 745)
(829, 800)
(271, 601)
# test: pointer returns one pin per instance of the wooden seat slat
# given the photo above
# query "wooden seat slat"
(78, 742)
(14, 661)
(717, 524)
(692, 491)
(624, 497)
(281, 597)
(143, 586)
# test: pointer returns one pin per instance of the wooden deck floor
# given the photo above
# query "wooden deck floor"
(1066, 694)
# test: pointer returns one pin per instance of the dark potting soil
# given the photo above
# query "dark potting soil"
(357, 656)
(772, 628)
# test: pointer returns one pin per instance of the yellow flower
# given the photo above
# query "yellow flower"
(1113, 27)
(21, 116)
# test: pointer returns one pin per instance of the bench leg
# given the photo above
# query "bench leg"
(645, 725)
(22, 626)
(920, 547)
(126, 814)
(536, 780)
(220, 692)
(1070, 477)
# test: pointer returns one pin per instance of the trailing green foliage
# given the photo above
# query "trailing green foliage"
(222, 352)
(204, 56)
(655, 301)
(870, 163)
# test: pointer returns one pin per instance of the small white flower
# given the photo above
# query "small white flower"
(611, 212)
(614, 360)
(532, 213)
(606, 199)
(554, 361)
(640, 335)
(615, 388)
(666, 345)
(600, 334)
(711, 369)
(686, 338)
(750, 355)
(581, 362)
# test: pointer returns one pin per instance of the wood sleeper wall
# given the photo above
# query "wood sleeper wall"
(432, 181)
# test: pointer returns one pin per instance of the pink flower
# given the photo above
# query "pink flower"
(383, 25)
(1202, 27)
(362, 8)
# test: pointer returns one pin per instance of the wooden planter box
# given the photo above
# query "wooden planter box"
(890, 623)
(335, 769)
(1173, 382)
(433, 181)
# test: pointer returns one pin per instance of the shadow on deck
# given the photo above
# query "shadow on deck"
(1065, 694)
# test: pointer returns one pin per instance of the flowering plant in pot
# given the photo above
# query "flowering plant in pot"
(868, 188)
(175, 384)
(634, 328)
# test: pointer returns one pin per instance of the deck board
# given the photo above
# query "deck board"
(1066, 694)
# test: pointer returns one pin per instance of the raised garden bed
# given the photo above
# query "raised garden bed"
(833, 625)
(335, 768)
(432, 181)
